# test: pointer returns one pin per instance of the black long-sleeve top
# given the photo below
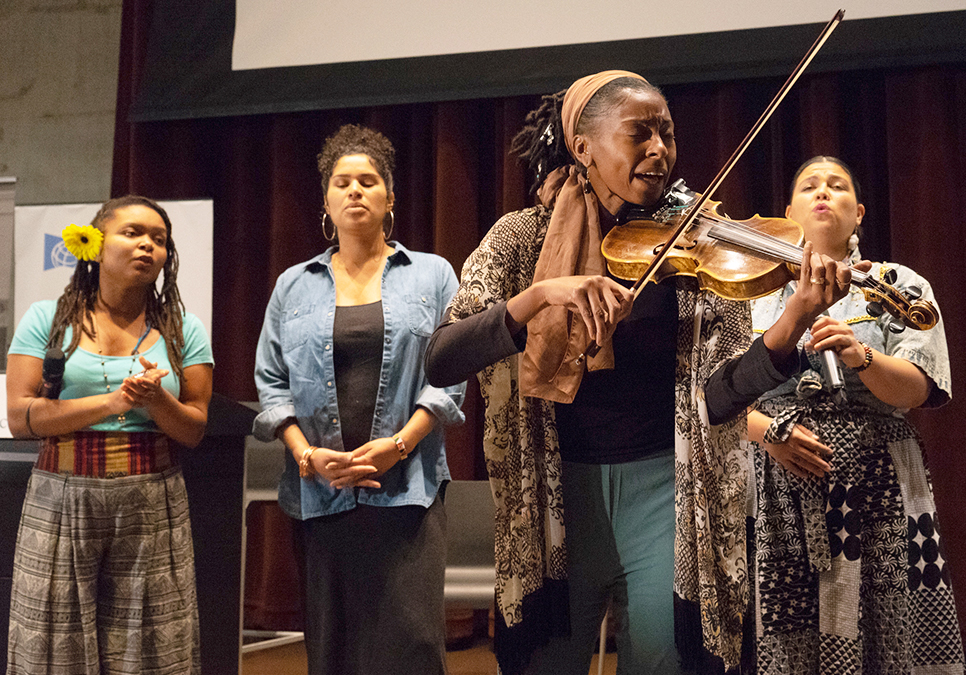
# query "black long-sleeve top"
(621, 414)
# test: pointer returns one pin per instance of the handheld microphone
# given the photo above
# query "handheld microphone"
(832, 370)
(53, 373)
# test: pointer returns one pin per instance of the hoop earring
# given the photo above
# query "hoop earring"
(325, 234)
(392, 223)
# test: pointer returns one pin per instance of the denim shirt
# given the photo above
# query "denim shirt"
(295, 376)
(924, 348)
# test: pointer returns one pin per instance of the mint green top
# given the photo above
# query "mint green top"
(84, 375)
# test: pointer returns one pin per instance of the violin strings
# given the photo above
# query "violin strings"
(744, 235)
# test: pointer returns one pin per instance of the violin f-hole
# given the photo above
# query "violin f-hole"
(684, 246)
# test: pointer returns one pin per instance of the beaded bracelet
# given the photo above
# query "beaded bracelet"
(868, 358)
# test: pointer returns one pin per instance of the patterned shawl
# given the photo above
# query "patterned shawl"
(523, 462)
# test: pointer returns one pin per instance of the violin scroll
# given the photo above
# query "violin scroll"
(909, 309)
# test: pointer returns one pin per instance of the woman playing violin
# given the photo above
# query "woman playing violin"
(620, 453)
(850, 571)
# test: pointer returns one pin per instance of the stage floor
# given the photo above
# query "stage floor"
(478, 659)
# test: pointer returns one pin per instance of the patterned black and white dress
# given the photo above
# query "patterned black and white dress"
(850, 575)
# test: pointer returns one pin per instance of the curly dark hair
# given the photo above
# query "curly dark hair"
(353, 139)
(164, 310)
(541, 145)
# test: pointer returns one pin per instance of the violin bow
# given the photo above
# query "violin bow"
(695, 208)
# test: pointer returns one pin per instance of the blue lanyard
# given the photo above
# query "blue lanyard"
(147, 329)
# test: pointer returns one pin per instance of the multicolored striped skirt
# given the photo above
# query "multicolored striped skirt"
(106, 454)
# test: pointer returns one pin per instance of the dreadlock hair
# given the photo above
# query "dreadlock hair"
(164, 310)
(540, 144)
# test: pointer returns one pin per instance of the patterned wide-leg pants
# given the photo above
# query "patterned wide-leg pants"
(103, 578)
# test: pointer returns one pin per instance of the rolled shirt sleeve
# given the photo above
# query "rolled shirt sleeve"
(445, 404)
(271, 373)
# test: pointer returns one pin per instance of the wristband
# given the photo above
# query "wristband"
(400, 446)
(305, 467)
(30, 429)
(868, 358)
(780, 429)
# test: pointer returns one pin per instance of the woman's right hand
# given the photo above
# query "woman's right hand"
(802, 453)
(119, 402)
(341, 469)
(599, 301)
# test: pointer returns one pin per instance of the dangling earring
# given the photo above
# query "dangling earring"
(325, 234)
(392, 223)
(853, 241)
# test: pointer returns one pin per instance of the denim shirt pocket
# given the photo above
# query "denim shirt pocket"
(296, 326)
(421, 313)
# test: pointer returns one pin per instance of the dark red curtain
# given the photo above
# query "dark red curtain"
(903, 131)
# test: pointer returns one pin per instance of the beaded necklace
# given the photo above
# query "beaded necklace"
(134, 356)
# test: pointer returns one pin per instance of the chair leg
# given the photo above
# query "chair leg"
(602, 650)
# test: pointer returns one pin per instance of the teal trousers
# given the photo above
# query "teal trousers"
(619, 522)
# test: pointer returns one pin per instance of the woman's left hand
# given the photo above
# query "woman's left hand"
(803, 454)
(829, 333)
(381, 453)
(822, 282)
(142, 390)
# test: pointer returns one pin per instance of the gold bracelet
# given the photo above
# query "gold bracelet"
(868, 358)
(305, 467)
(400, 446)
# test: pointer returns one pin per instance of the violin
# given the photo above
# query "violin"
(741, 260)
(920, 315)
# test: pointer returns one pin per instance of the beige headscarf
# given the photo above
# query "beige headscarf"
(555, 338)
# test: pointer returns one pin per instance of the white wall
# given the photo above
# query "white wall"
(58, 85)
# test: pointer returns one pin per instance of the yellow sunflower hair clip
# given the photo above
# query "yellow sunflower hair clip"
(83, 241)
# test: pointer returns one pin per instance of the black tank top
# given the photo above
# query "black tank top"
(357, 340)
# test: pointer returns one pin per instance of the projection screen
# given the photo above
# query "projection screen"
(241, 57)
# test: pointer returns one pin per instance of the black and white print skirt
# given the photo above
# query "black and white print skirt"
(850, 575)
